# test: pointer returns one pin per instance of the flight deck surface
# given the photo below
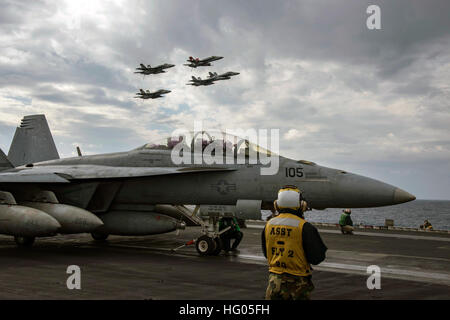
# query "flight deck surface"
(413, 266)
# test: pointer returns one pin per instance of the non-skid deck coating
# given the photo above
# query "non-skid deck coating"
(145, 268)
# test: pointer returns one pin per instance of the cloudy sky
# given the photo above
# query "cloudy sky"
(373, 102)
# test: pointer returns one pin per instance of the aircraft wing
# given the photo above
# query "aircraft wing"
(66, 174)
(19, 177)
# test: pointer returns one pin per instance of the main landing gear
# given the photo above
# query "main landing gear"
(24, 241)
(99, 236)
(208, 244)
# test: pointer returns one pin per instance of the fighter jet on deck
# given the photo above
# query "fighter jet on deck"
(196, 62)
(201, 82)
(146, 70)
(151, 95)
(143, 191)
(223, 76)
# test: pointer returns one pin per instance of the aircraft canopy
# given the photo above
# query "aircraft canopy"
(231, 144)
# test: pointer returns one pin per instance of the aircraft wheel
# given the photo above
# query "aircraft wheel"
(99, 236)
(205, 245)
(218, 248)
(24, 241)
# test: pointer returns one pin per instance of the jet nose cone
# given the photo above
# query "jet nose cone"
(355, 191)
(401, 196)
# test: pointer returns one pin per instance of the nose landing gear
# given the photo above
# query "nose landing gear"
(209, 244)
(205, 245)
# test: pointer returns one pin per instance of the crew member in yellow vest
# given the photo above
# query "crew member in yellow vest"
(291, 245)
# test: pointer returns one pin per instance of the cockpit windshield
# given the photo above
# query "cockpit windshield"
(199, 141)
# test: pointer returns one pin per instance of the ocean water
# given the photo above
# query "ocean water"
(410, 214)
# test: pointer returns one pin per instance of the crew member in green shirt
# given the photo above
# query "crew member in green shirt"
(233, 233)
(346, 222)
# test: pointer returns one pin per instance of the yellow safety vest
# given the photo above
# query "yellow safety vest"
(284, 245)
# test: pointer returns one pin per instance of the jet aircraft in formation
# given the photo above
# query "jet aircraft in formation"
(201, 82)
(146, 70)
(213, 76)
(151, 95)
(196, 62)
(195, 81)
(223, 76)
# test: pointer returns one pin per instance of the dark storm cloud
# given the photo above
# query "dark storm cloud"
(320, 30)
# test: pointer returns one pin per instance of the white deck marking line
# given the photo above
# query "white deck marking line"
(353, 268)
(409, 275)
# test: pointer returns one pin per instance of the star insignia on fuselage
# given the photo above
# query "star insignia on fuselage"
(223, 187)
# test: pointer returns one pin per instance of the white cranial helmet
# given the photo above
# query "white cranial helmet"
(288, 197)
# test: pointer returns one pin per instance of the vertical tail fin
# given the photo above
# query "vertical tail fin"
(32, 142)
(4, 161)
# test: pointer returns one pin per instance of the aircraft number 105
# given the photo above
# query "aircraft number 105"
(294, 172)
